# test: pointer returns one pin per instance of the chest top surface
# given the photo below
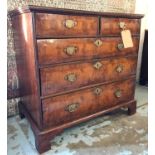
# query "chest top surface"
(32, 8)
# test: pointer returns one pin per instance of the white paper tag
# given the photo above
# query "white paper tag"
(127, 38)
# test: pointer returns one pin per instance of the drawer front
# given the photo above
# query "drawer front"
(69, 107)
(111, 26)
(48, 25)
(65, 50)
(73, 76)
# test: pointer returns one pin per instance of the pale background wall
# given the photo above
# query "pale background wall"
(141, 7)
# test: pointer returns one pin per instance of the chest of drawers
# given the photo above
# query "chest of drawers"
(72, 66)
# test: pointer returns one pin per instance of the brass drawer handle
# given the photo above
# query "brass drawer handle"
(118, 93)
(119, 68)
(120, 46)
(97, 91)
(122, 25)
(98, 42)
(70, 50)
(70, 23)
(72, 107)
(71, 77)
(97, 65)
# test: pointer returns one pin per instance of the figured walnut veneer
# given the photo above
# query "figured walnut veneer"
(72, 66)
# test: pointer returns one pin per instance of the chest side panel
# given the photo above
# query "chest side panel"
(26, 64)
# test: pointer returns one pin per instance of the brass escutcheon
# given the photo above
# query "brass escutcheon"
(119, 68)
(70, 23)
(71, 77)
(120, 46)
(97, 91)
(72, 107)
(118, 93)
(70, 50)
(122, 25)
(97, 65)
(98, 42)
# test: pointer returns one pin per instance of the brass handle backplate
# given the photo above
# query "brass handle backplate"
(70, 23)
(118, 93)
(119, 68)
(122, 25)
(71, 77)
(98, 42)
(72, 107)
(120, 46)
(70, 50)
(97, 65)
(97, 91)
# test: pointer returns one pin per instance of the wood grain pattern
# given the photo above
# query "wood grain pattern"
(64, 90)
(110, 26)
(54, 25)
(53, 50)
(26, 65)
(88, 102)
(53, 78)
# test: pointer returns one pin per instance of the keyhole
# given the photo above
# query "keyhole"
(98, 42)
(97, 91)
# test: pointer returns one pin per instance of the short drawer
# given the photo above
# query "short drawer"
(54, 25)
(64, 50)
(69, 107)
(73, 76)
(111, 26)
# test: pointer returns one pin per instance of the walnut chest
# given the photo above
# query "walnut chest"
(72, 66)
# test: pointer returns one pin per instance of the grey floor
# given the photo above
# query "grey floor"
(141, 94)
(116, 134)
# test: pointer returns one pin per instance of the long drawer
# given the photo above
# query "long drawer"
(114, 26)
(62, 78)
(64, 50)
(54, 25)
(69, 107)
